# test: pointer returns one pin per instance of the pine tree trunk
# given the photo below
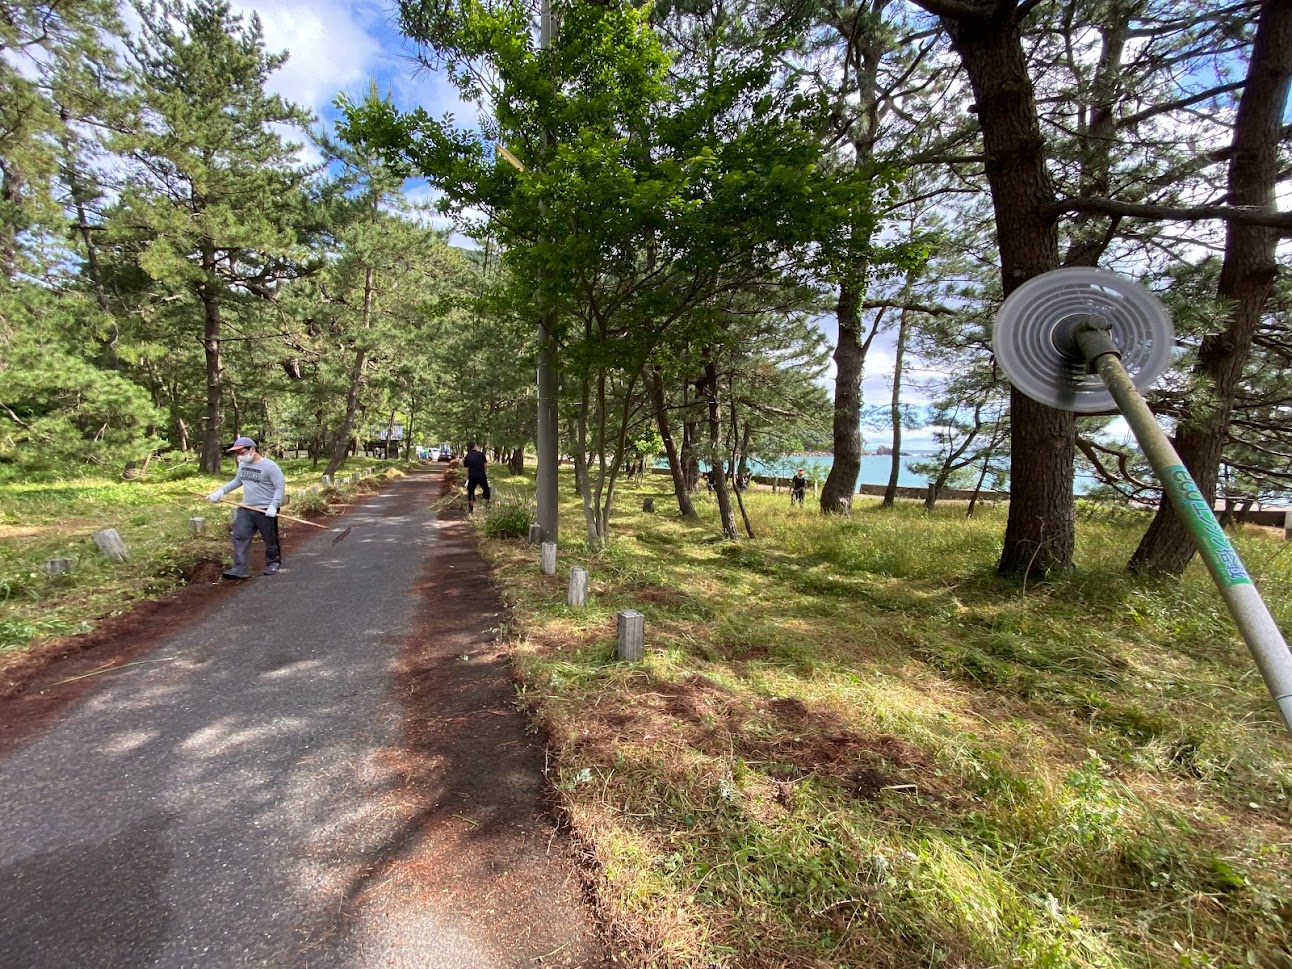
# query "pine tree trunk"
(690, 457)
(655, 388)
(895, 408)
(80, 195)
(212, 449)
(1040, 533)
(977, 488)
(341, 446)
(10, 201)
(1246, 277)
(849, 359)
(737, 466)
(716, 471)
(516, 463)
(390, 430)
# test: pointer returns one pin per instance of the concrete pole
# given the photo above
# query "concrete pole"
(578, 592)
(548, 441)
(111, 545)
(631, 628)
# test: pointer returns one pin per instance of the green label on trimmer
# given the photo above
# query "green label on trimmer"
(1193, 508)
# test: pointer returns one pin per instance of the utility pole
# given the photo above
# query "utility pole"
(548, 385)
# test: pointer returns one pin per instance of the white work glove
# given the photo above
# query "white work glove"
(271, 511)
(214, 497)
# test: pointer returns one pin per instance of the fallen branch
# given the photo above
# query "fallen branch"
(120, 666)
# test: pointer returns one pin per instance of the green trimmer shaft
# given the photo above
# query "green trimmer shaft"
(1089, 341)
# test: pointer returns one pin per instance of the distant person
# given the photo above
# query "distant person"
(475, 462)
(798, 487)
(263, 488)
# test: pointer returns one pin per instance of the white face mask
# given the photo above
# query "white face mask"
(244, 457)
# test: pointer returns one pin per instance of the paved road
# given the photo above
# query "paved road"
(216, 808)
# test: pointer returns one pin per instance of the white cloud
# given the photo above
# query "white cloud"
(329, 48)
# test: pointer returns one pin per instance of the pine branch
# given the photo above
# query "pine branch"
(1282, 221)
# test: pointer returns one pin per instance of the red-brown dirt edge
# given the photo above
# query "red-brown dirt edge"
(483, 835)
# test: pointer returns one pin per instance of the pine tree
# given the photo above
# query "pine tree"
(215, 203)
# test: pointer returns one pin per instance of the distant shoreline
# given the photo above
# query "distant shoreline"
(865, 454)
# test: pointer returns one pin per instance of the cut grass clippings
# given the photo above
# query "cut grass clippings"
(852, 744)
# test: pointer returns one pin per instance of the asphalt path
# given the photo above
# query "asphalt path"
(214, 805)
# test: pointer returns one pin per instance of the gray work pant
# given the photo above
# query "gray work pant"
(245, 525)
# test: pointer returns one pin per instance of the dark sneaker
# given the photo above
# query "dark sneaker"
(235, 574)
(273, 568)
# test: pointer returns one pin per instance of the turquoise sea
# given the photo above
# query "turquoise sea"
(875, 468)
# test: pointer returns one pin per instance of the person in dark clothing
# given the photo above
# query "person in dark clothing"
(798, 487)
(475, 462)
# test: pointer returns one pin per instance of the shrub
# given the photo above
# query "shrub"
(508, 516)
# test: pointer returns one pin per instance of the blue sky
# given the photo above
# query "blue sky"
(338, 46)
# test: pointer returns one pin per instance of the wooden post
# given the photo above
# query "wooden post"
(314, 489)
(547, 557)
(110, 544)
(58, 566)
(197, 526)
(578, 591)
(535, 534)
(648, 504)
(1287, 525)
(632, 635)
(326, 480)
(354, 478)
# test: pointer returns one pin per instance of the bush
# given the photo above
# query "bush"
(508, 516)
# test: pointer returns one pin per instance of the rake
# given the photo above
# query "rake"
(339, 537)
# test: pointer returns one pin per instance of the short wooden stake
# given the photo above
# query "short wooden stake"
(326, 481)
(547, 557)
(197, 526)
(314, 489)
(111, 545)
(535, 534)
(58, 566)
(578, 591)
(648, 504)
(1287, 525)
(354, 478)
(632, 635)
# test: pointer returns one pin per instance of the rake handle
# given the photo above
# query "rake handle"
(238, 504)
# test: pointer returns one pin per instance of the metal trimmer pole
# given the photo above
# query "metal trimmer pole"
(1250, 613)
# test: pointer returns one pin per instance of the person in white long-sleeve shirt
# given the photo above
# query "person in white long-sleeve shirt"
(263, 488)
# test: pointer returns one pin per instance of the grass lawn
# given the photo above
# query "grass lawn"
(851, 744)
